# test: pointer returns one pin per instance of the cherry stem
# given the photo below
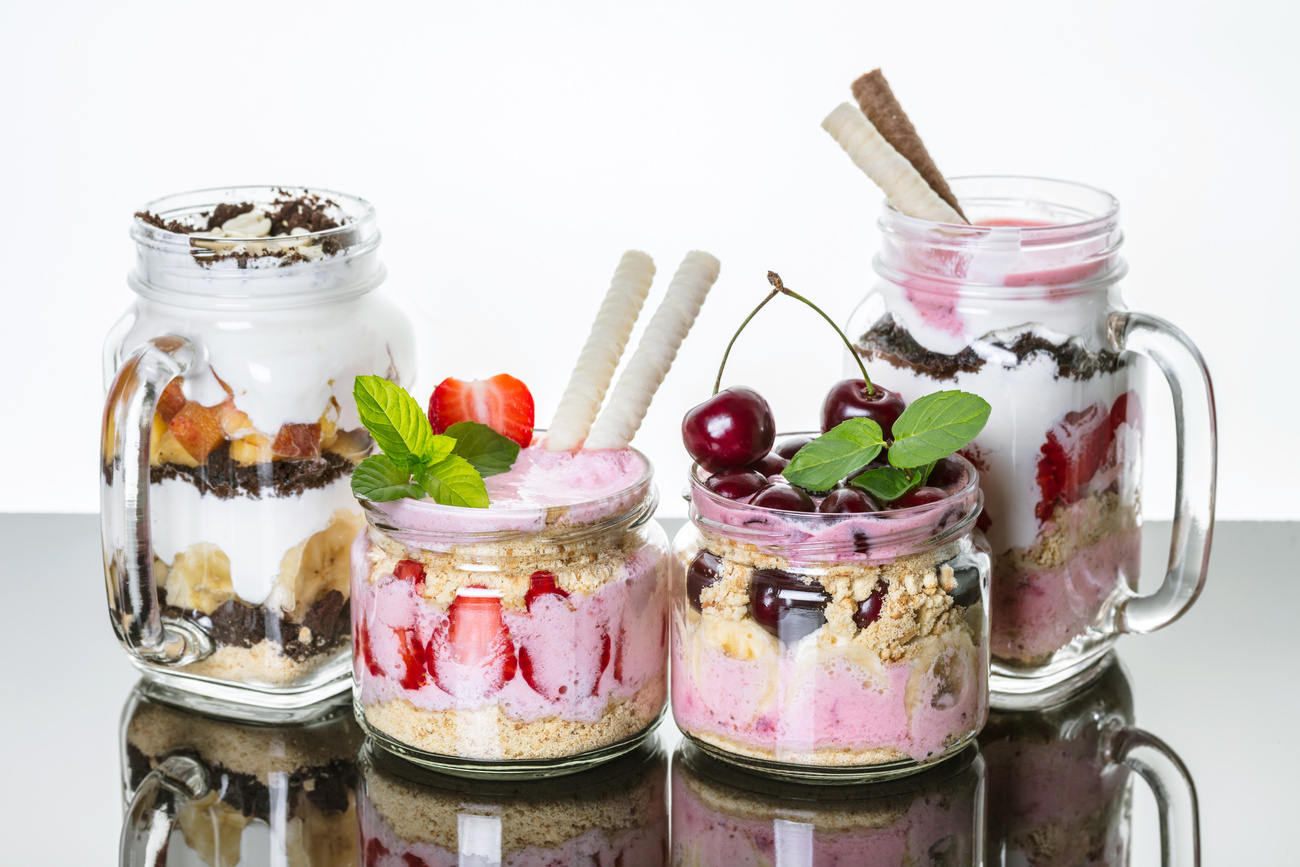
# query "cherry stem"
(717, 383)
(775, 280)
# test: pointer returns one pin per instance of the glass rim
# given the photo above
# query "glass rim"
(171, 206)
(1051, 233)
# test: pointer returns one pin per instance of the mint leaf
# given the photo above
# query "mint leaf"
(488, 451)
(380, 480)
(453, 481)
(936, 425)
(886, 483)
(848, 446)
(395, 420)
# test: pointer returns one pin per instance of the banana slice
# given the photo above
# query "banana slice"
(212, 829)
(199, 579)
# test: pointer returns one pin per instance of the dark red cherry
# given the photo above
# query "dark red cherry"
(947, 475)
(785, 497)
(869, 609)
(770, 464)
(786, 606)
(704, 570)
(731, 429)
(849, 398)
(919, 497)
(735, 484)
(848, 500)
(788, 447)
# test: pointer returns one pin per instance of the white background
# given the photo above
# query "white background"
(515, 150)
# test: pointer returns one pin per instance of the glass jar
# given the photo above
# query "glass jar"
(1024, 309)
(514, 642)
(723, 817)
(615, 814)
(1059, 781)
(200, 789)
(229, 438)
(831, 647)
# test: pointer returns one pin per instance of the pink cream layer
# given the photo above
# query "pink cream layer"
(541, 487)
(583, 651)
(712, 838)
(1036, 612)
(821, 700)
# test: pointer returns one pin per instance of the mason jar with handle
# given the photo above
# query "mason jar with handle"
(1023, 308)
(230, 434)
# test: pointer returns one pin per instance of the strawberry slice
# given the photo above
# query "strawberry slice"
(1077, 448)
(503, 403)
(362, 640)
(414, 651)
(410, 570)
(543, 584)
(473, 658)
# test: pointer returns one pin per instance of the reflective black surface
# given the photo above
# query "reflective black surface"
(1042, 788)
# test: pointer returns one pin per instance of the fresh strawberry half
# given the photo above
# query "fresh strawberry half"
(503, 403)
(1080, 445)
(473, 658)
(414, 652)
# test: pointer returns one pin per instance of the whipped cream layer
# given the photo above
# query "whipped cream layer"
(541, 488)
(254, 534)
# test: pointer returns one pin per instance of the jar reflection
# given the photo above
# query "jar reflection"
(1055, 797)
(723, 817)
(615, 814)
(265, 794)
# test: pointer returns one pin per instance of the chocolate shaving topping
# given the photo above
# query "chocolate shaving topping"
(879, 104)
(236, 624)
(890, 342)
(224, 479)
(225, 212)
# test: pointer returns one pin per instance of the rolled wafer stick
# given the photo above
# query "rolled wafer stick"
(599, 357)
(619, 420)
(878, 103)
(890, 170)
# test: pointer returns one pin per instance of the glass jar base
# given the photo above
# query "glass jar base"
(1033, 688)
(829, 775)
(517, 769)
(249, 701)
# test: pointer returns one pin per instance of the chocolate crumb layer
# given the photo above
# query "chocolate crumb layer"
(225, 212)
(286, 213)
(225, 479)
(235, 624)
(891, 342)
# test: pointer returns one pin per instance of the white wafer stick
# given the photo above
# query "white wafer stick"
(871, 152)
(619, 420)
(599, 357)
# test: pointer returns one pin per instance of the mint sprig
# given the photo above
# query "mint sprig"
(834, 455)
(416, 462)
(929, 430)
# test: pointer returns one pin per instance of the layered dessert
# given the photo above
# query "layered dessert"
(1060, 468)
(1003, 287)
(1054, 798)
(847, 647)
(509, 595)
(829, 599)
(252, 449)
(276, 795)
(722, 818)
(615, 815)
(529, 630)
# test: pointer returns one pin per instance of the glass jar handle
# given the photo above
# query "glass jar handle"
(1197, 458)
(124, 505)
(153, 810)
(1165, 773)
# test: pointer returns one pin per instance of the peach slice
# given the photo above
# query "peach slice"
(255, 448)
(198, 430)
(171, 401)
(298, 441)
(234, 422)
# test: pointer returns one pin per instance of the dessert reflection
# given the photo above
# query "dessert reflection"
(220, 792)
(1059, 780)
(724, 817)
(615, 814)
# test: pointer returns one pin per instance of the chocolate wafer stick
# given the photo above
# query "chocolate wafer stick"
(878, 103)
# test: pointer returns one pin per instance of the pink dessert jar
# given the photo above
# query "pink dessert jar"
(831, 647)
(513, 642)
